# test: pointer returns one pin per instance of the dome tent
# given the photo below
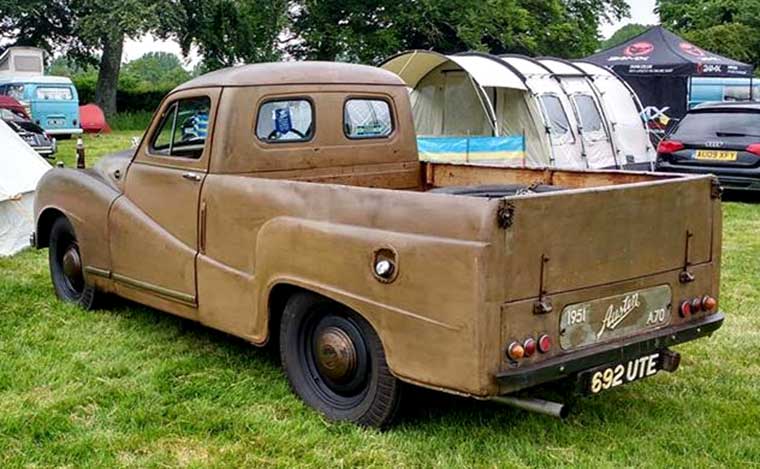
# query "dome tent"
(658, 65)
(20, 170)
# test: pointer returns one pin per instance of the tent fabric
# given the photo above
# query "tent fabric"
(92, 119)
(20, 170)
(657, 64)
(623, 112)
(595, 142)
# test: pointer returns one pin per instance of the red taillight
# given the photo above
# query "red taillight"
(544, 343)
(696, 305)
(685, 309)
(515, 351)
(754, 149)
(709, 303)
(669, 146)
(530, 347)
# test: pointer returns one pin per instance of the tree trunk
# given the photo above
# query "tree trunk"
(108, 74)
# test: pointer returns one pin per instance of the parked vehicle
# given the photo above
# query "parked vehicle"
(52, 102)
(718, 138)
(30, 132)
(302, 215)
(711, 89)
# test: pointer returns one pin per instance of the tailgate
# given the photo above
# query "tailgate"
(591, 237)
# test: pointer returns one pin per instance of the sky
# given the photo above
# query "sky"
(642, 11)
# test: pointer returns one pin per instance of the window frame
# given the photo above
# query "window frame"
(154, 152)
(391, 113)
(275, 99)
(547, 123)
(598, 110)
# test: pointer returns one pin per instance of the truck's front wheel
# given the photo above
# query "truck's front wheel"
(336, 363)
(66, 267)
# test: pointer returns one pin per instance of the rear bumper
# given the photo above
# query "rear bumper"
(747, 179)
(63, 131)
(563, 366)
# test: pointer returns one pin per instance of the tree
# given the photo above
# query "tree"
(82, 29)
(227, 32)
(727, 27)
(369, 30)
(156, 70)
(623, 34)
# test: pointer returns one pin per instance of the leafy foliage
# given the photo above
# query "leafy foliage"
(366, 31)
(623, 34)
(727, 27)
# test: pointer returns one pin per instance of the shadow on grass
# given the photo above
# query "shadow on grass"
(747, 197)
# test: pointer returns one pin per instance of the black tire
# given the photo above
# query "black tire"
(66, 268)
(365, 392)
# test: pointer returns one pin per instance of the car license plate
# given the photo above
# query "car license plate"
(604, 319)
(719, 155)
(611, 376)
(55, 121)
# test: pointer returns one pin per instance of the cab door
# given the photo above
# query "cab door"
(154, 226)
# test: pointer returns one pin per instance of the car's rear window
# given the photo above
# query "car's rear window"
(719, 124)
(367, 118)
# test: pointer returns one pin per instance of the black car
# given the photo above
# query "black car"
(30, 132)
(720, 138)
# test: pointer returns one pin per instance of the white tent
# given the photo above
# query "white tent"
(623, 110)
(20, 170)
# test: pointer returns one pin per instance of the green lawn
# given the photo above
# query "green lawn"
(96, 145)
(132, 387)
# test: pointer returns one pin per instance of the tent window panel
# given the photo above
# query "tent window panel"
(367, 118)
(591, 120)
(555, 116)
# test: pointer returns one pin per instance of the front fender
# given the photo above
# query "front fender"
(85, 199)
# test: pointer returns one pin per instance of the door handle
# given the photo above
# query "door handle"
(192, 177)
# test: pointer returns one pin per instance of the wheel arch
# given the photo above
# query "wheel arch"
(44, 224)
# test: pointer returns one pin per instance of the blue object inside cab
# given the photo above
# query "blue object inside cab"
(52, 102)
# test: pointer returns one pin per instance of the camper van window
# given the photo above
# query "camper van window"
(183, 130)
(367, 118)
(591, 120)
(54, 93)
(16, 92)
(554, 115)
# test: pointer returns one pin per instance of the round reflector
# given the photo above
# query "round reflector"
(515, 351)
(530, 347)
(544, 343)
(685, 309)
(709, 303)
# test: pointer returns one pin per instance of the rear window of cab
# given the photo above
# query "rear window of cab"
(292, 120)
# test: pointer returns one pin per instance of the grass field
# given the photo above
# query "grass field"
(132, 387)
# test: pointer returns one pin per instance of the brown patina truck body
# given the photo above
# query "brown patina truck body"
(227, 237)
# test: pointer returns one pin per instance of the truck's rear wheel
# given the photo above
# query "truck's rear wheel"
(66, 267)
(335, 362)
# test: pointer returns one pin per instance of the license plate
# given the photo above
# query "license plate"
(720, 155)
(55, 121)
(604, 319)
(611, 376)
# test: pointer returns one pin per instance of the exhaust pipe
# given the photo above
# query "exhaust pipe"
(555, 409)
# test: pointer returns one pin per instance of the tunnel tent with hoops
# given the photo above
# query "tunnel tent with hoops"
(555, 113)
(460, 105)
(623, 111)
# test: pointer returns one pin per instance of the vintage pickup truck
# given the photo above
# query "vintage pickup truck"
(286, 203)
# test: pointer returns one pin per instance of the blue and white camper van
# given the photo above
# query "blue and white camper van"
(52, 102)
(709, 89)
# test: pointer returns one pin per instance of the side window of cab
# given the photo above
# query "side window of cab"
(183, 129)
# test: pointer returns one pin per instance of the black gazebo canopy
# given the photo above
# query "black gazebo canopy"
(658, 65)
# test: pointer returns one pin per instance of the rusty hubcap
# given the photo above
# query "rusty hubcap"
(336, 354)
(72, 267)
